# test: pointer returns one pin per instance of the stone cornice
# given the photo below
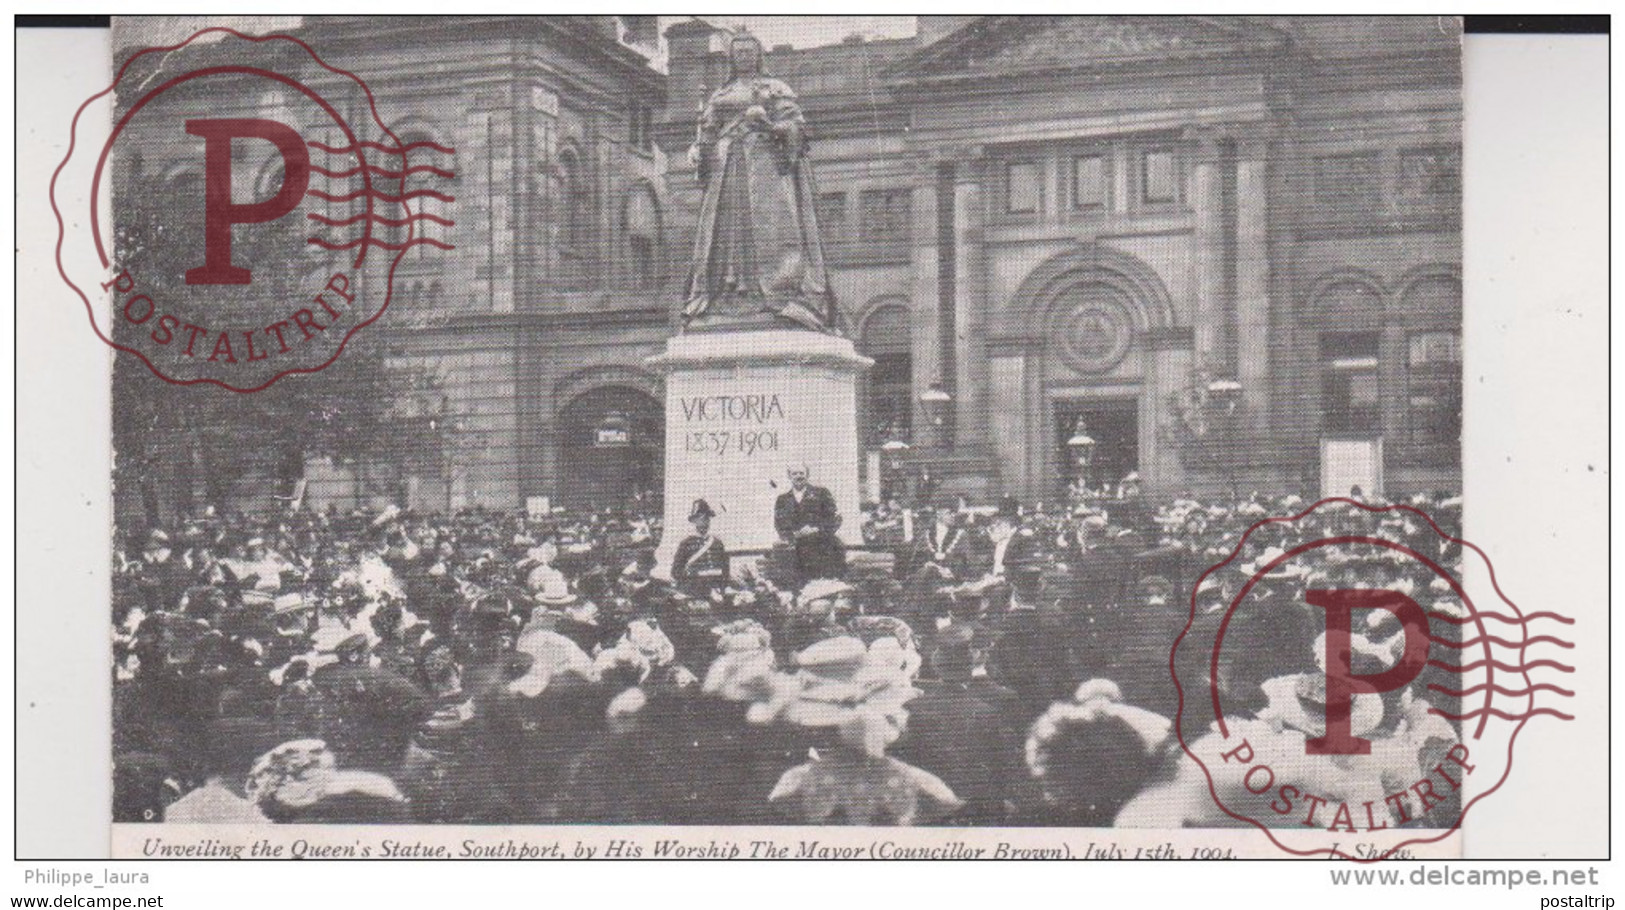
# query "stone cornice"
(756, 347)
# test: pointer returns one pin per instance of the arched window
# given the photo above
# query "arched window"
(422, 170)
(1432, 310)
(612, 446)
(642, 226)
(575, 218)
(1350, 347)
(888, 392)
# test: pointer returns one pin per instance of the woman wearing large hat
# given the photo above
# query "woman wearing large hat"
(854, 695)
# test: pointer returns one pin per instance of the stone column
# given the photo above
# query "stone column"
(1253, 337)
(549, 441)
(533, 420)
(925, 343)
(499, 199)
(1207, 205)
(1168, 371)
(1011, 421)
(970, 304)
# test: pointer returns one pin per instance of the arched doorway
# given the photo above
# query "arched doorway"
(1087, 350)
(613, 438)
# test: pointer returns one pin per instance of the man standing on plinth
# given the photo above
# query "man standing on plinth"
(700, 567)
(807, 519)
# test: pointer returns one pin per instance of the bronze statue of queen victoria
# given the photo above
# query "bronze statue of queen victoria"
(757, 256)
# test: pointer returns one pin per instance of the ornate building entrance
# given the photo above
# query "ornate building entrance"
(1113, 424)
(613, 447)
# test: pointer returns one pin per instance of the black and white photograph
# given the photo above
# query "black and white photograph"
(784, 420)
(564, 456)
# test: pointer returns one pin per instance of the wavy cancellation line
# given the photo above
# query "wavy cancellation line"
(375, 194)
(1501, 690)
(1500, 617)
(384, 172)
(1509, 668)
(379, 219)
(1495, 712)
(378, 146)
(370, 243)
(1503, 642)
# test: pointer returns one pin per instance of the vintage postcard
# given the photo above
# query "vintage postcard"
(967, 437)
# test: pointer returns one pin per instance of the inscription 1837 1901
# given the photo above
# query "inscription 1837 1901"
(732, 409)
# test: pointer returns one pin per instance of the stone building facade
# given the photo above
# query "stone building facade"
(1224, 248)
(536, 325)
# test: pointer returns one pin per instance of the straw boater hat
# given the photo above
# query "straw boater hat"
(821, 589)
(859, 691)
(554, 590)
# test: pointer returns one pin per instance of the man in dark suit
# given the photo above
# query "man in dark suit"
(952, 541)
(1031, 653)
(965, 730)
(807, 519)
(161, 575)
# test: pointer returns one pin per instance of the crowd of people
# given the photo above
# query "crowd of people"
(993, 665)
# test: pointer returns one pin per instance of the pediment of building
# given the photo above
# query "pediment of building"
(1009, 46)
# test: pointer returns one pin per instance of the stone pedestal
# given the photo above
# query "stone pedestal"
(743, 406)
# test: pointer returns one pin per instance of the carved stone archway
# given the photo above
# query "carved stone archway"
(1045, 293)
(1073, 322)
(572, 385)
(587, 473)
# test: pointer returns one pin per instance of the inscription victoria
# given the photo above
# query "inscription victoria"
(736, 408)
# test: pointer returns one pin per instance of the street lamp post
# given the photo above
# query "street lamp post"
(1082, 447)
(936, 401)
(1223, 400)
(892, 453)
